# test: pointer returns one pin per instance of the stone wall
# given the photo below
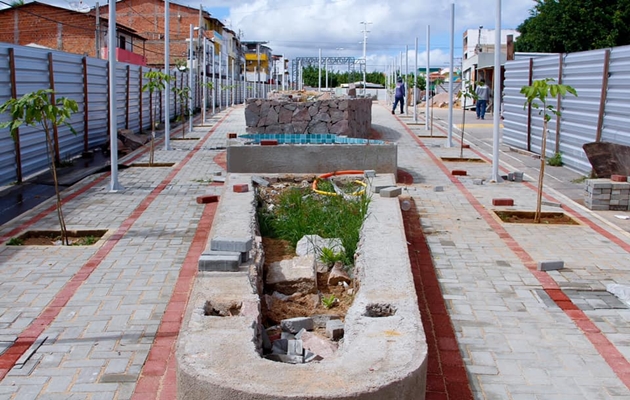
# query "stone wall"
(343, 116)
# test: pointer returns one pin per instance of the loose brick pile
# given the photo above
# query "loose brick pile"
(606, 194)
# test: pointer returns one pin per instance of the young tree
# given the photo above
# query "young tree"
(183, 95)
(467, 93)
(157, 82)
(537, 95)
(38, 108)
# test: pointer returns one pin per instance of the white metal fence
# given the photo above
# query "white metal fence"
(601, 112)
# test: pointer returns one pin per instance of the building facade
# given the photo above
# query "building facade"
(57, 28)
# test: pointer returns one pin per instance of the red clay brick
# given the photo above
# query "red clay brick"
(502, 202)
(211, 198)
(619, 178)
(269, 142)
(232, 135)
(458, 172)
(466, 146)
(240, 188)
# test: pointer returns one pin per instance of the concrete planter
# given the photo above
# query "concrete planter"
(383, 355)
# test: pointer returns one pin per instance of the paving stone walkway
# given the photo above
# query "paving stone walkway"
(100, 322)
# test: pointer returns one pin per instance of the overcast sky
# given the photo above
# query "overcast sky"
(299, 28)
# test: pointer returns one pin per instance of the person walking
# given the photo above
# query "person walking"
(483, 95)
(399, 96)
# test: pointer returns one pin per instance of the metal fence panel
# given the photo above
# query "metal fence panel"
(579, 119)
(617, 116)
(7, 145)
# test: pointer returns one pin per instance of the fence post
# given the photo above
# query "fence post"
(140, 100)
(86, 144)
(529, 106)
(128, 90)
(602, 100)
(51, 80)
(559, 106)
(16, 137)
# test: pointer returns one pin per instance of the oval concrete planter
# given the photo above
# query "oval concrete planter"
(381, 357)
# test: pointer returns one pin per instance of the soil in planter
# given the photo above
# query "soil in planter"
(154, 165)
(527, 217)
(53, 238)
(458, 159)
(302, 305)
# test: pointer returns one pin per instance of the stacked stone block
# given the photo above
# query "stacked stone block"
(603, 194)
(342, 116)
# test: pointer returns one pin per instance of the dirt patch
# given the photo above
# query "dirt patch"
(53, 238)
(302, 305)
(527, 217)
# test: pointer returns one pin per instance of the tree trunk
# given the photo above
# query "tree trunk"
(53, 170)
(541, 175)
(461, 145)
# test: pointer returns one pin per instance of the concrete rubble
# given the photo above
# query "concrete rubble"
(298, 344)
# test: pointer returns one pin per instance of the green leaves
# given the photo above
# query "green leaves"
(540, 90)
(37, 108)
(157, 81)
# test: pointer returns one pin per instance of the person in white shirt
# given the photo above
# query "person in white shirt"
(483, 95)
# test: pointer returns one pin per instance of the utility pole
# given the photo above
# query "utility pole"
(167, 69)
(365, 32)
(257, 68)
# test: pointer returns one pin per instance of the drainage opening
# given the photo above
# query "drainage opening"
(221, 310)
(377, 310)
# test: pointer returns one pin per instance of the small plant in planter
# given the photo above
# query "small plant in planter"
(39, 108)
(537, 95)
(157, 82)
(330, 257)
(329, 301)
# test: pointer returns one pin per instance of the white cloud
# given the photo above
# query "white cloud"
(301, 27)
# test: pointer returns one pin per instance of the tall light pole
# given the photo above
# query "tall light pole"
(427, 81)
(167, 84)
(365, 32)
(496, 114)
(205, 80)
(451, 77)
(415, 84)
(407, 76)
(113, 121)
(319, 71)
(190, 79)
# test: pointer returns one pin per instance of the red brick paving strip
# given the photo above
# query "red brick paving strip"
(446, 372)
(604, 347)
(52, 310)
(157, 379)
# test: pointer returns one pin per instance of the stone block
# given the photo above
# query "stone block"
(312, 245)
(551, 204)
(206, 199)
(220, 179)
(518, 177)
(294, 347)
(438, 189)
(378, 188)
(502, 202)
(320, 320)
(619, 178)
(369, 173)
(510, 176)
(240, 188)
(318, 345)
(240, 245)
(459, 172)
(260, 181)
(294, 325)
(391, 192)
(292, 276)
(550, 265)
(335, 329)
(285, 358)
(477, 181)
(219, 261)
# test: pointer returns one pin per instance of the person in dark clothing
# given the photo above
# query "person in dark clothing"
(399, 96)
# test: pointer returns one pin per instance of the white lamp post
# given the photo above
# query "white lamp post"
(113, 121)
